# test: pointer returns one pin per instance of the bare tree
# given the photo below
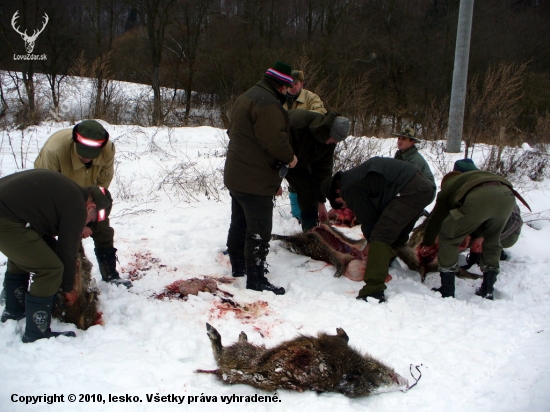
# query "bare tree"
(190, 28)
(157, 16)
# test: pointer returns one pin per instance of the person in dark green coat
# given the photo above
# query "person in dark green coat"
(313, 138)
(510, 233)
(258, 145)
(35, 207)
(475, 201)
(387, 197)
(408, 152)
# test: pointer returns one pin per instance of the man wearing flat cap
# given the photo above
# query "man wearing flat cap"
(258, 148)
(35, 207)
(300, 98)
(314, 137)
(86, 156)
(408, 152)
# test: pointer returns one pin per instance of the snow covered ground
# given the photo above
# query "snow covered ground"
(476, 355)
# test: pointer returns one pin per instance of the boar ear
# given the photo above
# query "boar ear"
(243, 337)
(342, 334)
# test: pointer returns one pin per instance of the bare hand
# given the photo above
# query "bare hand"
(293, 163)
(341, 201)
(86, 232)
(365, 251)
(70, 297)
(279, 191)
(323, 214)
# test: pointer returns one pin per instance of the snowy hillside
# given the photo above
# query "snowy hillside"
(171, 216)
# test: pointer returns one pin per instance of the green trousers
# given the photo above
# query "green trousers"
(485, 210)
(102, 234)
(378, 261)
(28, 252)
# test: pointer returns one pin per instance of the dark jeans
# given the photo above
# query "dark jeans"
(302, 183)
(250, 228)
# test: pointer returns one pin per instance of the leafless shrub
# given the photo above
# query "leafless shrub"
(189, 181)
(493, 105)
(542, 128)
(443, 161)
(19, 142)
(355, 150)
(533, 219)
(512, 162)
(437, 120)
(347, 95)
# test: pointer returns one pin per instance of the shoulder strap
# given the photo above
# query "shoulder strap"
(522, 200)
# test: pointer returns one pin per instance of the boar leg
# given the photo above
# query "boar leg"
(215, 340)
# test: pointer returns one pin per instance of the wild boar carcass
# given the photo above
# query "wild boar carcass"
(325, 363)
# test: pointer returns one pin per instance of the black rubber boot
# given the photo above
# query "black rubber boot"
(39, 317)
(487, 286)
(238, 266)
(472, 259)
(379, 296)
(256, 280)
(16, 287)
(106, 259)
(447, 288)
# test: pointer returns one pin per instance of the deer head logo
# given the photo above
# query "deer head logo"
(29, 40)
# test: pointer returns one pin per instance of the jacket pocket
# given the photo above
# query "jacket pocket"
(456, 214)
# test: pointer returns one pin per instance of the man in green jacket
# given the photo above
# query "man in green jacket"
(313, 137)
(86, 156)
(387, 197)
(36, 206)
(408, 152)
(475, 201)
(510, 233)
(258, 147)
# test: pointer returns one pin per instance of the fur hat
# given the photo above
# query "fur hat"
(464, 165)
(408, 131)
(281, 73)
(90, 137)
(340, 128)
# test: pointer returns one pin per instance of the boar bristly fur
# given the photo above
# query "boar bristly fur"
(325, 363)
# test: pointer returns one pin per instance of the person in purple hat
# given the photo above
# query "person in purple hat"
(258, 146)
